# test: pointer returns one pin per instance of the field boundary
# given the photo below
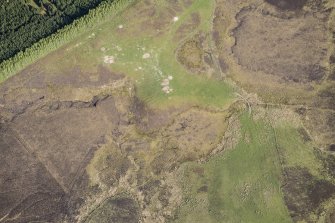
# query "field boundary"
(101, 13)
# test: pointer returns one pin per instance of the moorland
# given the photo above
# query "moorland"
(174, 111)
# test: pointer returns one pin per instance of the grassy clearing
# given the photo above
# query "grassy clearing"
(128, 45)
(309, 179)
(296, 152)
(186, 86)
(245, 184)
(242, 185)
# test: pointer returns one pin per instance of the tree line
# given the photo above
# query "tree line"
(105, 10)
(24, 22)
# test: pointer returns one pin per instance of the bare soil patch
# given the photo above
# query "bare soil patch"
(288, 4)
(320, 124)
(326, 96)
(50, 143)
(28, 190)
(304, 193)
(119, 210)
(269, 50)
(64, 135)
(195, 133)
(148, 120)
(282, 47)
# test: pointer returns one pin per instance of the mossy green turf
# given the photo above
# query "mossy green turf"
(243, 183)
(187, 86)
(299, 153)
(127, 48)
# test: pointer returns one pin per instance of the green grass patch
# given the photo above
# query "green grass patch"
(295, 151)
(241, 185)
(187, 87)
(128, 48)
